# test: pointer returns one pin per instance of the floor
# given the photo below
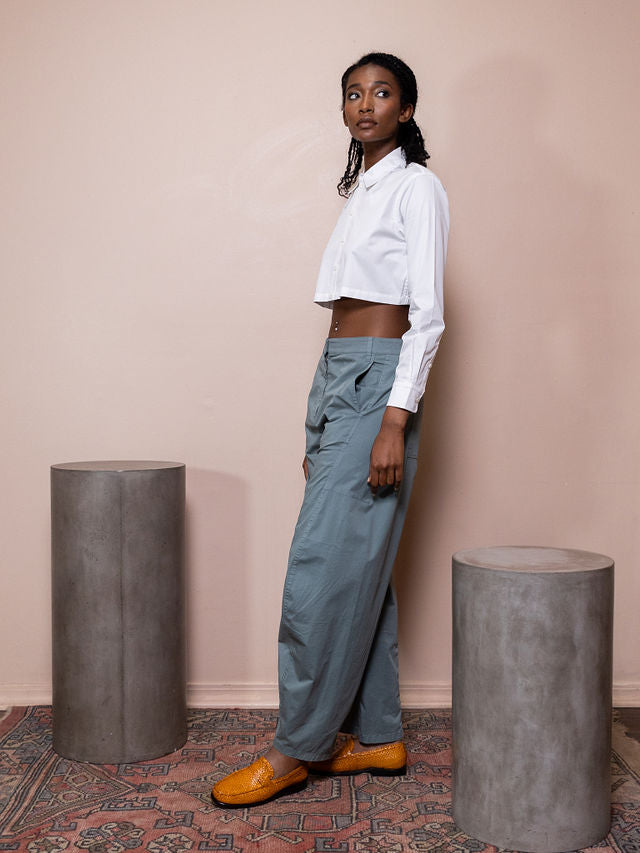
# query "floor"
(50, 804)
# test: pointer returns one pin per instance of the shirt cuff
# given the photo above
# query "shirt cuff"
(404, 396)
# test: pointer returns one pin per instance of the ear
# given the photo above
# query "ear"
(406, 113)
(344, 119)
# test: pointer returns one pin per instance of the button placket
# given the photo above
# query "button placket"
(344, 237)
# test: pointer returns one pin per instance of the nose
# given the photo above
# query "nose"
(366, 104)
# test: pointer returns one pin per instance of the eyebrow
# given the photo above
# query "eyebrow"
(375, 83)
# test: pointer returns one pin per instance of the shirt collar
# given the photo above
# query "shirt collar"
(393, 160)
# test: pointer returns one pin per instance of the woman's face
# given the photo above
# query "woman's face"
(372, 108)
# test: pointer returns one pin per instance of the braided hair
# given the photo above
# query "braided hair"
(409, 136)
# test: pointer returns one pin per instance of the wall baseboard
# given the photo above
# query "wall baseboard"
(433, 695)
(626, 694)
(265, 695)
(18, 695)
(256, 695)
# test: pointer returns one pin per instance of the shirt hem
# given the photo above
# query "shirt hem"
(326, 300)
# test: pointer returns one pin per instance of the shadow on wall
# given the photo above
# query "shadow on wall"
(217, 580)
(512, 424)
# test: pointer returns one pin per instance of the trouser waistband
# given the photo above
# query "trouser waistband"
(366, 345)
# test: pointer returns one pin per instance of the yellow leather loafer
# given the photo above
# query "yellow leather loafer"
(387, 760)
(255, 784)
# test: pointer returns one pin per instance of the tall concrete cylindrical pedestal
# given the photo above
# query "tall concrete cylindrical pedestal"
(118, 610)
(532, 661)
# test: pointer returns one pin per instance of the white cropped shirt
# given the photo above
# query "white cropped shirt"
(390, 245)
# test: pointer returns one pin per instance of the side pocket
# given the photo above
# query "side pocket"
(317, 390)
(367, 379)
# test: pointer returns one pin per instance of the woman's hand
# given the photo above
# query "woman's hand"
(387, 453)
(305, 468)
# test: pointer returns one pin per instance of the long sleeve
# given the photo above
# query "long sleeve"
(425, 220)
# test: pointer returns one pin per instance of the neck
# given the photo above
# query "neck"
(375, 151)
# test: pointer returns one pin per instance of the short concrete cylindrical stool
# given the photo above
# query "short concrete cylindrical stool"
(118, 610)
(532, 660)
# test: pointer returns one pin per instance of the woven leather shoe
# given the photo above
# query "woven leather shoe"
(387, 760)
(255, 784)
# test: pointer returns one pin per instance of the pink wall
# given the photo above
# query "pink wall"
(168, 177)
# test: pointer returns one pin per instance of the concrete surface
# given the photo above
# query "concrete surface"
(118, 610)
(532, 664)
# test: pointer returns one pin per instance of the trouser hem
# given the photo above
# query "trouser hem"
(378, 737)
(320, 755)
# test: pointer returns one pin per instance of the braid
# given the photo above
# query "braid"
(409, 135)
(412, 142)
(354, 162)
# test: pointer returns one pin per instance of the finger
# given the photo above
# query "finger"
(398, 478)
(389, 476)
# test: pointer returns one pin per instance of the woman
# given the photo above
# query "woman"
(381, 275)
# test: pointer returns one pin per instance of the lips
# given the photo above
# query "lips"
(366, 122)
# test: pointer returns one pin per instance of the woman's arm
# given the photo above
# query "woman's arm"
(425, 214)
(425, 222)
(387, 454)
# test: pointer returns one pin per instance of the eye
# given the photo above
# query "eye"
(352, 96)
(383, 93)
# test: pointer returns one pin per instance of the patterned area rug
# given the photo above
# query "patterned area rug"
(48, 803)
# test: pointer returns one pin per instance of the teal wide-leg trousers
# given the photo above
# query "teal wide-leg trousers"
(338, 642)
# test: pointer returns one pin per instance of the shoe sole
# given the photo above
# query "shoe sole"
(375, 771)
(290, 789)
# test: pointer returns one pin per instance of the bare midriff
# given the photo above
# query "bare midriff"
(355, 318)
